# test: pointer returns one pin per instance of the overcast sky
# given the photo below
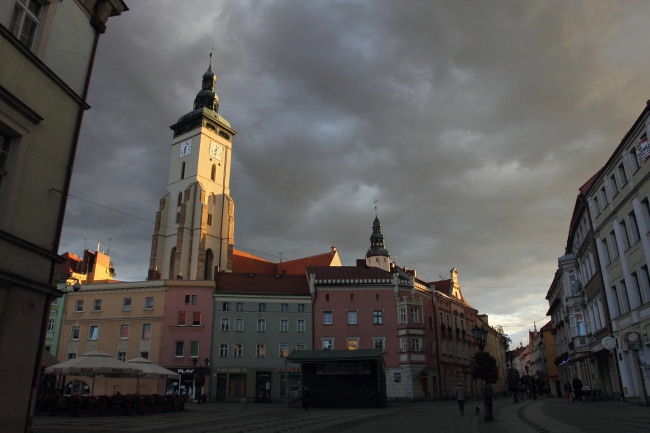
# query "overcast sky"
(472, 123)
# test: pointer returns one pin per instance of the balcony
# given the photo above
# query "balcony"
(580, 343)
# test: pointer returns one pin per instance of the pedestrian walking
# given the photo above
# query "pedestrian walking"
(305, 398)
(577, 389)
(459, 393)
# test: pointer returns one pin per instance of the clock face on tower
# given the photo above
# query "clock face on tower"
(216, 150)
(186, 148)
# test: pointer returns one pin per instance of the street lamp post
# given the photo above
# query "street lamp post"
(194, 379)
(206, 362)
(480, 335)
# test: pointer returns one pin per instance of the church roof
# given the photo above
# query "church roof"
(377, 247)
(298, 266)
(246, 262)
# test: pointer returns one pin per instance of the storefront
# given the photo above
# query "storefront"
(253, 385)
(289, 379)
(190, 383)
(343, 378)
(230, 383)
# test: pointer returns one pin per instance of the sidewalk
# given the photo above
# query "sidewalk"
(555, 415)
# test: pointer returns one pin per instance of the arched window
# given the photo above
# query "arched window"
(209, 264)
(183, 170)
(213, 174)
(172, 258)
(180, 198)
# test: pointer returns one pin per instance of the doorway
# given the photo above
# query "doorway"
(262, 387)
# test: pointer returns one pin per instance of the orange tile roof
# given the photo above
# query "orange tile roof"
(298, 266)
(244, 262)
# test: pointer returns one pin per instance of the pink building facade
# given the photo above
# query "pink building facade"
(186, 335)
(361, 307)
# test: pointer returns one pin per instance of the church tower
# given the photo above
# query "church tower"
(194, 230)
(377, 256)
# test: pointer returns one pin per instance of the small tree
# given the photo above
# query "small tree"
(513, 383)
(484, 366)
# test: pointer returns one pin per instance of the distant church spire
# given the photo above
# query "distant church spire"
(377, 255)
(207, 97)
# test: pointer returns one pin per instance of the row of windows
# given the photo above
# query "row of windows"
(261, 307)
(628, 298)
(617, 179)
(179, 349)
(454, 350)
(120, 355)
(415, 315)
(261, 325)
(213, 175)
(457, 321)
(597, 314)
(182, 318)
(93, 331)
(260, 350)
(126, 304)
(626, 231)
(327, 297)
(353, 319)
(352, 343)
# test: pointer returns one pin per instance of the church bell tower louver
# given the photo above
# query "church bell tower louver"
(194, 229)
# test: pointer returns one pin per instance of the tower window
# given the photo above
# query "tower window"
(172, 260)
(183, 170)
(180, 197)
(209, 219)
(213, 173)
(209, 264)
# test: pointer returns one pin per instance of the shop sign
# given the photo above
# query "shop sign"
(633, 340)
(230, 370)
(609, 343)
(343, 368)
(397, 377)
(287, 369)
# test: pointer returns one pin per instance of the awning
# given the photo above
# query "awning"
(583, 356)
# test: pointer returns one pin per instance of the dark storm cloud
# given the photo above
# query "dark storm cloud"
(472, 123)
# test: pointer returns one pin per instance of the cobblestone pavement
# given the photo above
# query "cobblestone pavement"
(544, 415)
(425, 417)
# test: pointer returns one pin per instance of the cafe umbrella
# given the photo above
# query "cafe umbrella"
(150, 369)
(92, 364)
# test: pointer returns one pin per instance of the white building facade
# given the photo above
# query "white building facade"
(619, 202)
